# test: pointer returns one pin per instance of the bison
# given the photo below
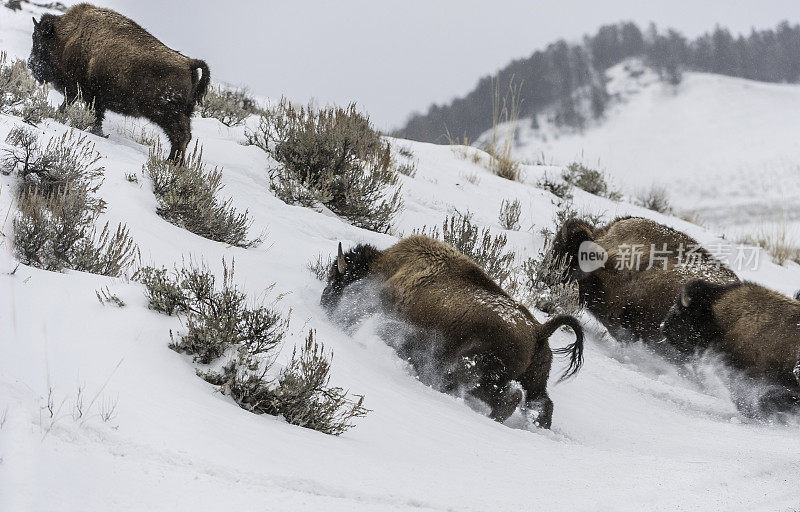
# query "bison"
(756, 329)
(485, 339)
(115, 64)
(626, 293)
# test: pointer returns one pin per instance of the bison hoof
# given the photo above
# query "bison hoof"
(98, 130)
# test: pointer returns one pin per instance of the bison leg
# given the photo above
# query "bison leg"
(537, 401)
(179, 131)
(99, 117)
(486, 379)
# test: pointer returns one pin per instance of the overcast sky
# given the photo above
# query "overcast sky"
(395, 57)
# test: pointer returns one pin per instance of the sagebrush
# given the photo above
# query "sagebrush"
(187, 197)
(544, 283)
(219, 321)
(229, 106)
(655, 198)
(332, 157)
(77, 114)
(591, 180)
(301, 393)
(55, 227)
(510, 212)
(777, 240)
(217, 315)
(485, 249)
(406, 162)
(557, 187)
(320, 266)
(21, 95)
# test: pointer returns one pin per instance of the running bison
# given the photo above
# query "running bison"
(486, 340)
(756, 329)
(647, 265)
(116, 65)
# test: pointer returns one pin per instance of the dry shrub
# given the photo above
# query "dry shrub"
(488, 251)
(332, 157)
(655, 198)
(544, 284)
(462, 149)
(406, 162)
(20, 93)
(217, 317)
(219, 321)
(777, 240)
(77, 114)
(230, 106)
(510, 212)
(590, 180)
(140, 135)
(67, 161)
(302, 394)
(504, 111)
(187, 197)
(55, 226)
(558, 188)
(320, 266)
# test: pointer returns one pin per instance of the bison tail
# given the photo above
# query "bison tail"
(199, 84)
(574, 350)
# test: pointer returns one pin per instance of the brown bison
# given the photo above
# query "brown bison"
(117, 65)
(486, 340)
(647, 266)
(756, 329)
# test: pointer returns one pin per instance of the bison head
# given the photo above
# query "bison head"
(345, 270)
(567, 244)
(690, 323)
(43, 51)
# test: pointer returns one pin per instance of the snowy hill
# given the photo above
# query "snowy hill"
(630, 432)
(725, 148)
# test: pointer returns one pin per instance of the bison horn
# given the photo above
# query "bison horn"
(341, 264)
(35, 23)
(685, 301)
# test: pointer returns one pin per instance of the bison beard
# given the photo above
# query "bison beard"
(116, 65)
(456, 323)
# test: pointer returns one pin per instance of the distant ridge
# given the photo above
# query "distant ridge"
(563, 76)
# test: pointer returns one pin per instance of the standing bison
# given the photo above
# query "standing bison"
(756, 329)
(117, 65)
(626, 293)
(485, 340)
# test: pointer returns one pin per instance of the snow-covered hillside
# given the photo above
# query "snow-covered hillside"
(630, 432)
(725, 148)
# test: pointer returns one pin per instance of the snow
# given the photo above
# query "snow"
(630, 431)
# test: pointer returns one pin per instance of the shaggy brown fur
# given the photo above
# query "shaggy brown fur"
(628, 298)
(117, 65)
(488, 340)
(757, 329)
